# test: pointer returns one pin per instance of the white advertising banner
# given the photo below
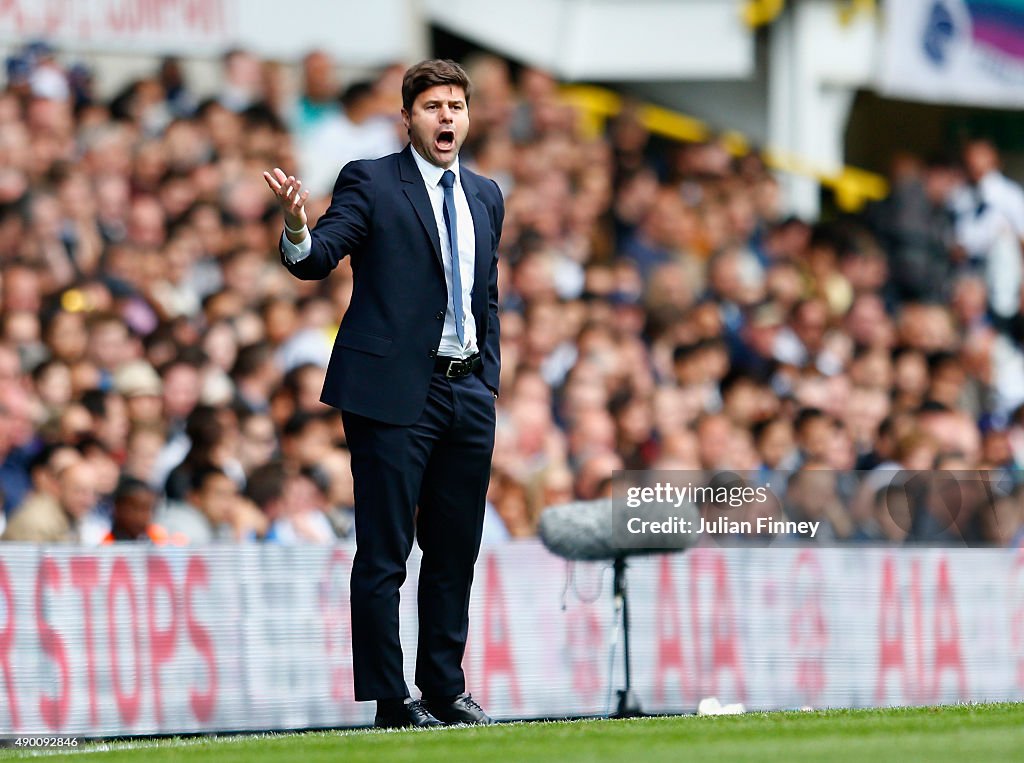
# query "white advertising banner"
(118, 23)
(356, 32)
(131, 640)
(954, 51)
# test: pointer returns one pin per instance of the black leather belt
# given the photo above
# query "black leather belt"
(457, 368)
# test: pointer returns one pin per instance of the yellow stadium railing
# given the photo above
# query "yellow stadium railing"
(853, 187)
(757, 13)
(760, 12)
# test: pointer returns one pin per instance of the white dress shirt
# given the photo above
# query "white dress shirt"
(449, 345)
(987, 211)
(990, 226)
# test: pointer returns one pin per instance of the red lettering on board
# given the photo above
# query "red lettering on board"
(162, 641)
(725, 653)
(946, 634)
(497, 647)
(669, 634)
(808, 631)
(54, 710)
(334, 604)
(203, 703)
(583, 640)
(85, 576)
(6, 642)
(890, 630)
(128, 701)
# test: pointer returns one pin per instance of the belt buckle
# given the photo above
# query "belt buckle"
(448, 374)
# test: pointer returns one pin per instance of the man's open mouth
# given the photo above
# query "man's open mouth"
(446, 140)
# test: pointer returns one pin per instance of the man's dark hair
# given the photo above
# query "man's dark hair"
(42, 458)
(296, 424)
(95, 401)
(205, 430)
(806, 415)
(292, 379)
(203, 474)
(261, 115)
(318, 477)
(129, 486)
(40, 370)
(183, 358)
(735, 378)
(250, 359)
(428, 74)
(933, 406)
(266, 484)
(356, 92)
(684, 352)
(940, 359)
(89, 444)
(232, 53)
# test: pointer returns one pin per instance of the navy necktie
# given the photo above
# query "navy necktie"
(451, 222)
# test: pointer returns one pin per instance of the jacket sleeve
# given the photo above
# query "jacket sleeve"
(342, 229)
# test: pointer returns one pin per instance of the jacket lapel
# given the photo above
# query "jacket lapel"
(417, 195)
(482, 234)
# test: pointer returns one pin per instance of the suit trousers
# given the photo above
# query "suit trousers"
(440, 464)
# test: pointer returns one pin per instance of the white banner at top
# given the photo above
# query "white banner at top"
(356, 32)
(954, 51)
(134, 23)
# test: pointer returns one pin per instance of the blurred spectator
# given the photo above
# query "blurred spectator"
(180, 101)
(134, 502)
(142, 390)
(243, 84)
(55, 514)
(915, 225)
(812, 496)
(48, 79)
(144, 444)
(990, 226)
(212, 436)
(255, 376)
(335, 469)
(891, 517)
(208, 509)
(306, 438)
(356, 130)
(318, 101)
(294, 503)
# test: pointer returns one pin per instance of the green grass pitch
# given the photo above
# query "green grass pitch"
(962, 733)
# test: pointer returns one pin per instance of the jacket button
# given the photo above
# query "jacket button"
(440, 315)
(433, 353)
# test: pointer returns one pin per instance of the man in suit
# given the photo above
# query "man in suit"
(414, 372)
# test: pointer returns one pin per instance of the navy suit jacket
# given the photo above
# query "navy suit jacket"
(384, 354)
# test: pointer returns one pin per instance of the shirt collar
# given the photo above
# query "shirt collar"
(431, 172)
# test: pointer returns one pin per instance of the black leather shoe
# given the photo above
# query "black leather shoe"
(409, 714)
(459, 709)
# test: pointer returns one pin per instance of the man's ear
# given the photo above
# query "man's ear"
(406, 118)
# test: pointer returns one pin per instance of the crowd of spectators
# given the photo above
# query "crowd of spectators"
(160, 370)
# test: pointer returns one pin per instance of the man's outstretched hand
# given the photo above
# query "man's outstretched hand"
(290, 196)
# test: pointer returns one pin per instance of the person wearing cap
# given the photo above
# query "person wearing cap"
(414, 372)
(140, 386)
